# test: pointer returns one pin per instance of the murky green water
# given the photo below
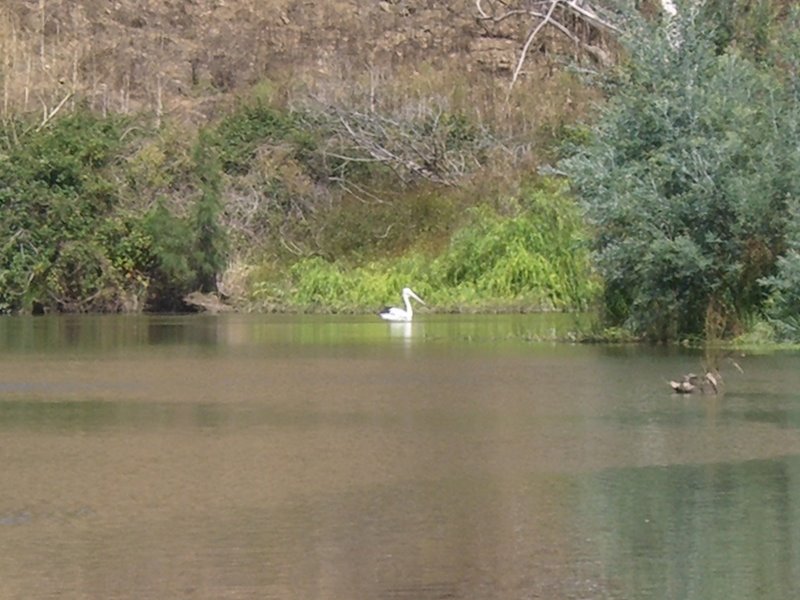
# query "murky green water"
(343, 457)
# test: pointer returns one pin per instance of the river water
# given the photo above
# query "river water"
(342, 457)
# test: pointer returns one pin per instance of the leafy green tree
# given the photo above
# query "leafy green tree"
(208, 255)
(783, 306)
(749, 24)
(686, 180)
(167, 266)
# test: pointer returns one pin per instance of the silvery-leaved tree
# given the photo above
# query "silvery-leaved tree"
(783, 303)
(686, 179)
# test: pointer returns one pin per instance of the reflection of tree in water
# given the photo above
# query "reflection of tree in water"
(723, 530)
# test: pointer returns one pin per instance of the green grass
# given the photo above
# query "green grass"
(533, 259)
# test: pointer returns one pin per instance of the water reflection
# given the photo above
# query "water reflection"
(225, 333)
(678, 525)
(402, 332)
(450, 457)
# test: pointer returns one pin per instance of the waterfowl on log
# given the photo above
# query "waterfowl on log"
(692, 383)
(686, 385)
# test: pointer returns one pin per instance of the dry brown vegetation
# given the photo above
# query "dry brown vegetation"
(182, 59)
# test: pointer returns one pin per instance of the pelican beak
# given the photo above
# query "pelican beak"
(418, 299)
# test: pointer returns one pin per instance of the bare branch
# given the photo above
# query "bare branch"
(48, 115)
(529, 41)
(590, 16)
(481, 12)
(562, 15)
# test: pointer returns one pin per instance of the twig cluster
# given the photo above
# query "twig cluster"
(433, 144)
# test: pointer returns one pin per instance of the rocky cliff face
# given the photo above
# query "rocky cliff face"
(181, 57)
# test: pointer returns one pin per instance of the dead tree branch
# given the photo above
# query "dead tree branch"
(431, 146)
(49, 114)
(563, 16)
(529, 41)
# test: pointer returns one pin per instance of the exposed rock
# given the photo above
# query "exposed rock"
(493, 53)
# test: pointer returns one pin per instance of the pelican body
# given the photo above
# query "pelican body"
(400, 314)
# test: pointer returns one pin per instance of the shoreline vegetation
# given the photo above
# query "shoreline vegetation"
(649, 176)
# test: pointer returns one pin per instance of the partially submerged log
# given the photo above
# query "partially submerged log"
(207, 302)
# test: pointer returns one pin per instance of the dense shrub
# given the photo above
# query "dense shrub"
(252, 124)
(54, 190)
(77, 235)
(685, 181)
(783, 306)
(350, 180)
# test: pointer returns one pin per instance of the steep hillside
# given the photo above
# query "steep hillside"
(165, 144)
(181, 57)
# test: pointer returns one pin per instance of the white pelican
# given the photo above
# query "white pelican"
(398, 314)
